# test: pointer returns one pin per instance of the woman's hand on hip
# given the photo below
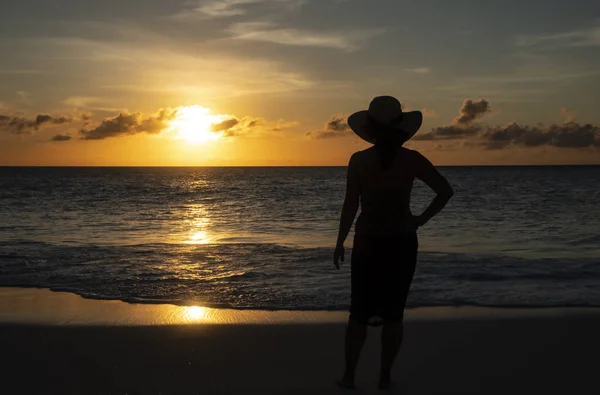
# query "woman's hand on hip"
(418, 221)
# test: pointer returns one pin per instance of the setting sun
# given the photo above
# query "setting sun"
(193, 124)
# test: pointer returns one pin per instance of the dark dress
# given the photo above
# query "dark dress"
(382, 271)
(384, 253)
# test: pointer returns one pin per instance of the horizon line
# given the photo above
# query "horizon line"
(279, 166)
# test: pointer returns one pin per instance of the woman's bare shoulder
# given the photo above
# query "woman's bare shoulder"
(411, 154)
(360, 156)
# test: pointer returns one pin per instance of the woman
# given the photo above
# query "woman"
(385, 243)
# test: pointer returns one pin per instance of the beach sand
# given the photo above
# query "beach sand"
(179, 350)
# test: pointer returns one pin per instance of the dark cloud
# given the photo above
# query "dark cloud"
(448, 132)
(241, 126)
(21, 125)
(126, 124)
(472, 110)
(567, 135)
(61, 137)
(225, 125)
(247, 125)
(336, 126)
(42, 119)
(254, 122)
(129, 124)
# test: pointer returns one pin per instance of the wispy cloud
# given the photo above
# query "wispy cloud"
(175, 70)
(527, 83)
(80, 101)
(231, 8)
(19, 71)
(224, 8)
(272, 33)
(575, 38)
(420, 70)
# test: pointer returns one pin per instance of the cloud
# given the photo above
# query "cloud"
(570, 134)
(420, 70)
(461, 126)
(225, 125)
(336, 126)
(271, 33)
(448, 132)
(472, 110)
(257, 126)
(128, 124)
(61, 137)
(576, 38)
(224, 8)
(567, 135)
(232, 8)
(20, 125)
(80, 101)
(20, 72)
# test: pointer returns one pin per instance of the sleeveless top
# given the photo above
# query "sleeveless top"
(384, 193)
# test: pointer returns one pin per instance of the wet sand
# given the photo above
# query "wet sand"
(446, 351)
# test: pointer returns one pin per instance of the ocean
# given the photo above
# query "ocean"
(262, 238)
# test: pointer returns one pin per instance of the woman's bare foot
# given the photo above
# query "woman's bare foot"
(385, 384)
(346, 384)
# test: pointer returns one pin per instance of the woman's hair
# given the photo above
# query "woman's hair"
(387, 142)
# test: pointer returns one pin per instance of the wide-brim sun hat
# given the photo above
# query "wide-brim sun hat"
(385, 112)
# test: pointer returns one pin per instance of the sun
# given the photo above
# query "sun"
(194, 124)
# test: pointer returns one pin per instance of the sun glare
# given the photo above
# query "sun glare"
(194, 124)
(195, 313)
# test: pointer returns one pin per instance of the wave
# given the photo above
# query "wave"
(282, 277)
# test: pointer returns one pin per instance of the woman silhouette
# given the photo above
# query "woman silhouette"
(385, 243)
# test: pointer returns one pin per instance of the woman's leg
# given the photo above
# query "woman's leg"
(356, 330)
(406, 248)
(391, 340)
(356, 334)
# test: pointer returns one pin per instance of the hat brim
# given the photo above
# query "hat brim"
(410, 124)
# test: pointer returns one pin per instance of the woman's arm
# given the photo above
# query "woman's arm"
(427, 172)
(351, 202)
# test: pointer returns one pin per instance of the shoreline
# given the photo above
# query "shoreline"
(61, 343)
(40, 306)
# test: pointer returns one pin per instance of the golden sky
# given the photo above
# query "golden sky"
(271, 82)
